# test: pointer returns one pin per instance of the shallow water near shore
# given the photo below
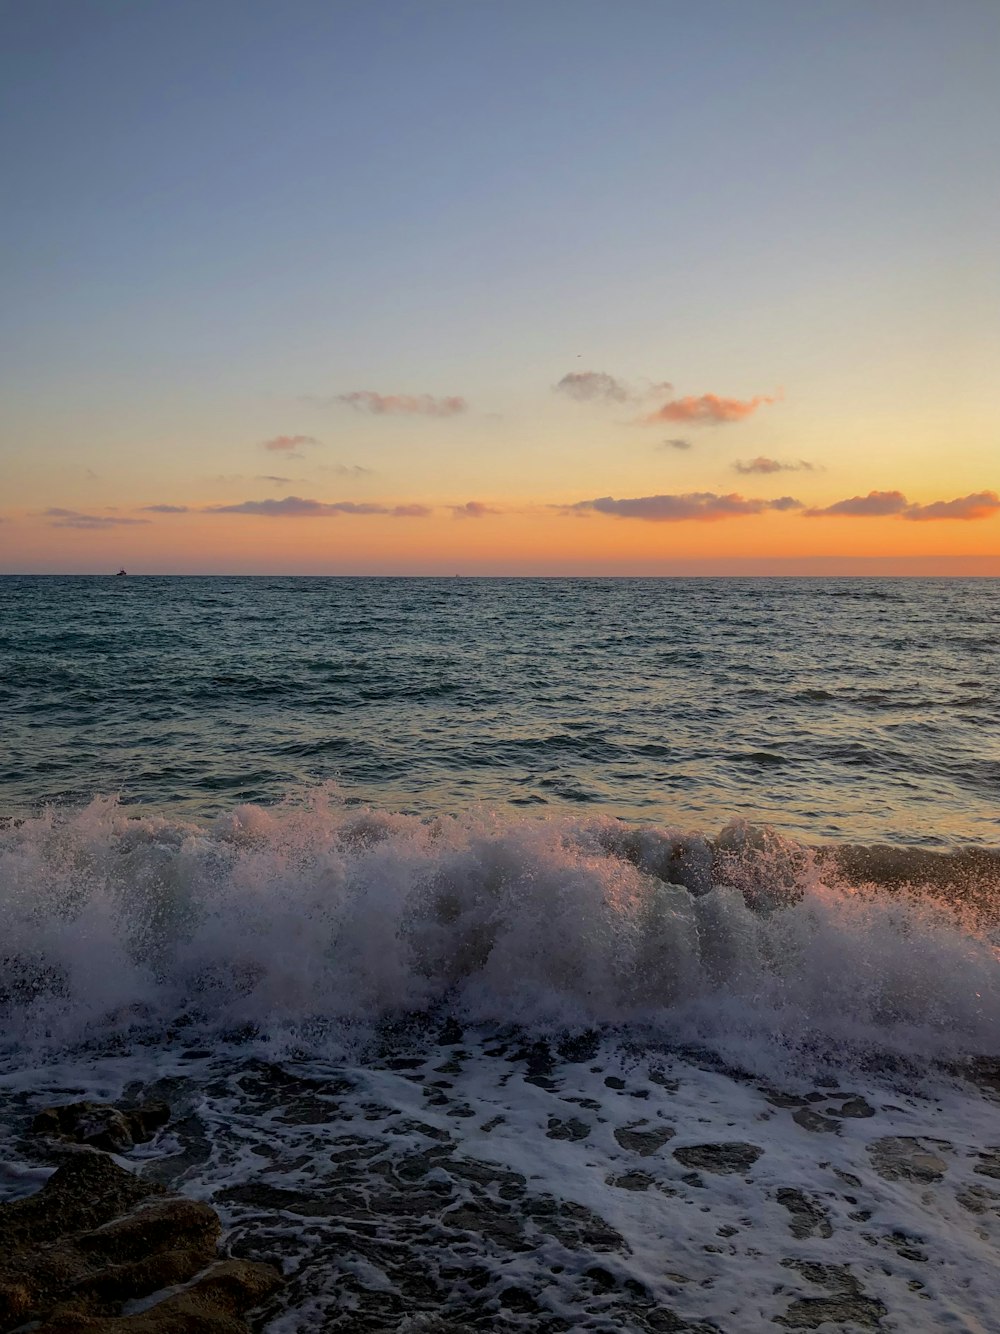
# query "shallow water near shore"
(506, 1073)
(477, 1179)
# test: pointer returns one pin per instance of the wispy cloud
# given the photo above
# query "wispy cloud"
(700, 506)
(764, 465)
(296, 507)
(403, 405)
(271, 477)
(879, 504)
(675, 444)
(62, 518)
(706, 409)
(599, 386)
(165, 509)
(472, 509)
(586, 386)
(346, 469)
(410, 511)
(290, 446)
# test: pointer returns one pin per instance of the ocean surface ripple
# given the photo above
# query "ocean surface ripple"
(858, 709)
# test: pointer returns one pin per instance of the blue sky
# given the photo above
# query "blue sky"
(219, 214)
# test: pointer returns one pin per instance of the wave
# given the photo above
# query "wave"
(316, 920)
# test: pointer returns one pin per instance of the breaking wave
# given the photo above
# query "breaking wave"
(315, 922)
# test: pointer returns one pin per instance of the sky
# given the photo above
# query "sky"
(500, 286)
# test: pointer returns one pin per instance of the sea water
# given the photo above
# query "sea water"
(462, 922)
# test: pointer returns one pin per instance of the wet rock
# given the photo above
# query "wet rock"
(95, 1237)
(644, 1142)
(903, 1158)
(101, 1125)
(657, 1076)
(809, 1218)
(486, 1222)
(983, 1071)
(906, 1246)
(450, 1034)
(849, 1179)
(989, 1164)
(732, 1156)
(847, 1305)
(540, 1061)
(631, 1181)
(778, 1098)
(810, 1120)
(574, 1225)
(213, 1305)
(979, 1199)
(856, 1106)
(579, 1047)
(572, 1129)
(837, 1312)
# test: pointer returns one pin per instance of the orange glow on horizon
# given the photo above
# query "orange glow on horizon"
(528, 539)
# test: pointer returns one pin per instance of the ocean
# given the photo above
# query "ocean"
(523, 954)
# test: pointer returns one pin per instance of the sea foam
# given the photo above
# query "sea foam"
(314, 922)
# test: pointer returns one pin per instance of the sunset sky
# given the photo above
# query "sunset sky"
(537, 287)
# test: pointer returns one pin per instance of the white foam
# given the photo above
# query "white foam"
(312, 921)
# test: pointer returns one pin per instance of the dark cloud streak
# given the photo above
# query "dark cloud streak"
(63, 518)
(697, 506)
(297, 507)
(402, 405)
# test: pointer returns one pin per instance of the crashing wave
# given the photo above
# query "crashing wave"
(316, 920)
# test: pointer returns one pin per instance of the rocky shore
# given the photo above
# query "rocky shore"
(465, 1180)
(99, 1250)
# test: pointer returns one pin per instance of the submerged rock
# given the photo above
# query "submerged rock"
(731, 1156)
(644, 1142)
(809, 1218)
(847, 1306)
(903, 1158)
(102, 1125)
(95, 1237)
(212, 1305)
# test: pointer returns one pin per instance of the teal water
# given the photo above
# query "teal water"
(833, 709)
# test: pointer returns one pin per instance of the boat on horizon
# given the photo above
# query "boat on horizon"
(120, 573)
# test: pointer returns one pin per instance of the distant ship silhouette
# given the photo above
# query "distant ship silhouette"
(120, 573)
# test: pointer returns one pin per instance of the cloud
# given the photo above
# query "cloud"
(164, 509)
(74, 519)
(876, 504)
(346, 469)
(701, 506)
(271, 477)
(403, 405)
(289, 444)
(979, 505)
(296, 507)
(706, 409)
(410, 511)
(586, 386)
(675, 444)
(472, 509)
(762, 465)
